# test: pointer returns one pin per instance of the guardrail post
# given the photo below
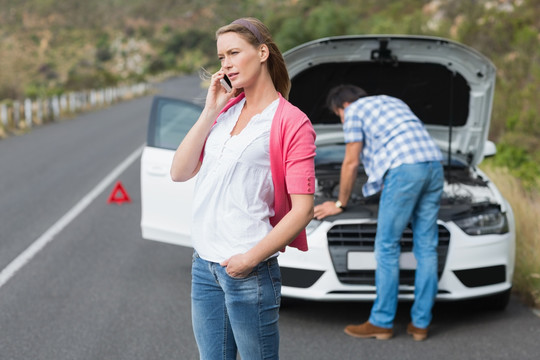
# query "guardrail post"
(55, 108)
(28, 112)
(4, 115)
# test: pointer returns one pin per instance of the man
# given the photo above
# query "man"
(402, 160)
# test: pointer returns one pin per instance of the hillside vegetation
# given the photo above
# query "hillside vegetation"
(49, 47)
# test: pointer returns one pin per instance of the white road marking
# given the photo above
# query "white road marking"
(20, 261)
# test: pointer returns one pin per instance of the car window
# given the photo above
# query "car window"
(170, 120)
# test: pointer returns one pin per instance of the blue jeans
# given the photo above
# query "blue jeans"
(411, 194)
(233, 315)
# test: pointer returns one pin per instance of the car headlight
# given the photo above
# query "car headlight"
(313, 224)
(484, 224)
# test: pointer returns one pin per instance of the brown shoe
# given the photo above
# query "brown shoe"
(368, 330)
(418, 334)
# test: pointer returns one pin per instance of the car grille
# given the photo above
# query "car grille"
(346, 238)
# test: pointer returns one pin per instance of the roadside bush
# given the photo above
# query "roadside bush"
(84, 76)
(190, 39)
(291, 33)
(520, 163)
(103, 51)
(526, 206)
(156, 66)
(9, 91)
(40, 90)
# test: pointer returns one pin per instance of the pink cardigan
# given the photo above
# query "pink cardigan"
(292, 153)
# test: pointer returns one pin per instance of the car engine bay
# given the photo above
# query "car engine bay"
(465, 192)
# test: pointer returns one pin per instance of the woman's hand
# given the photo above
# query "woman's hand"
(186, 161)
(217, 97)
(238, 266)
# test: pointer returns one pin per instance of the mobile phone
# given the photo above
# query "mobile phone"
(226, 83)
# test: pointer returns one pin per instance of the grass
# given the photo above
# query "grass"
(526, 207)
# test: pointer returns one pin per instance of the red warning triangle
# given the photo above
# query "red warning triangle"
(119, 195)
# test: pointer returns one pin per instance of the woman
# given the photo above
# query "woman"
(253, 152)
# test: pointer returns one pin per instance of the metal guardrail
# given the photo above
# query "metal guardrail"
(20, 115)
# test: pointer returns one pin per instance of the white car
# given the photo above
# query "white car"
(450, 87)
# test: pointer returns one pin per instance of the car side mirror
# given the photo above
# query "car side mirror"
(489, 149)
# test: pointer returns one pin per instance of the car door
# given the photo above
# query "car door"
(166, 205)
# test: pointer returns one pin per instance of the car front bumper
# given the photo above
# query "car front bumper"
(473, 266)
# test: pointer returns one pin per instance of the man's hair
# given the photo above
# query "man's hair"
(341, 94)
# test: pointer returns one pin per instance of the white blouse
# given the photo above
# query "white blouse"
(234, 193)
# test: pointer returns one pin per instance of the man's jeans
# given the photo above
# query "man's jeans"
(411, 194)
(231, 314)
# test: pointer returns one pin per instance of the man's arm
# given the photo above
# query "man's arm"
(349, 170)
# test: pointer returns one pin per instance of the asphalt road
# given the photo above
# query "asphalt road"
(97, 290)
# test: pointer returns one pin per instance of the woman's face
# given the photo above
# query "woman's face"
(239, 59)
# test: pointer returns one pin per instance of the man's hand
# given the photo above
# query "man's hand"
(325, 209)
(349, 171)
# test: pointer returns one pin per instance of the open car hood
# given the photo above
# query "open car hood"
(449, 86)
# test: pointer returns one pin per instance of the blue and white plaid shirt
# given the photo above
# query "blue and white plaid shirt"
(391, 134)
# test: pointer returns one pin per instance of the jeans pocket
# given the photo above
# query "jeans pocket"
(275, 278)
(252, 273)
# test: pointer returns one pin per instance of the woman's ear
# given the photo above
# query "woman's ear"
(264, 52)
